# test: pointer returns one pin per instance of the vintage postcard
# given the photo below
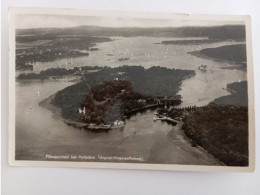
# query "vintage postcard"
(130, 90)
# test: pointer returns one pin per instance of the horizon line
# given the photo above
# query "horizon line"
(186, 26)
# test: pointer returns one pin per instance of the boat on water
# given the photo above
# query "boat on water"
(203, 67)
(118, 124)
(98, 127)
(123, 59)
(104, 127)
(167, 119)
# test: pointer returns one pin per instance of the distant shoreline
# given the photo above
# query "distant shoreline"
(233, 54)
(203, 56)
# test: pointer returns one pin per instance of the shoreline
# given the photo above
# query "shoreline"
(56, 112)
(143, 109)
(176, 135)
(240, 66)
(179, 138)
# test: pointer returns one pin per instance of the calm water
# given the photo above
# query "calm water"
(38, 133)
(144, 51)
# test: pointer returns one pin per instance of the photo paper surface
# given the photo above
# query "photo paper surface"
(131, 90)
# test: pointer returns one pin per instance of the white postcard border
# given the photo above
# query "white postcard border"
(128, 14)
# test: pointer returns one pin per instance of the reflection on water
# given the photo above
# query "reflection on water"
(38, 133)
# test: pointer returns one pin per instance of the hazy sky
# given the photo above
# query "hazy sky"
(56, 21)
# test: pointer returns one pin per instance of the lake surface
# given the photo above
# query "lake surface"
(146, 51)
(38, 133)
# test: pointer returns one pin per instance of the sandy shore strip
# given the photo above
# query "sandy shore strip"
(176, 148)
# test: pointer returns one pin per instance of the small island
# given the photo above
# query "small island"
(103, 99)
(123, 59)
(57, 72)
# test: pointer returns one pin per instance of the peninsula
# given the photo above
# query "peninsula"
(47, 48)
(230, 53)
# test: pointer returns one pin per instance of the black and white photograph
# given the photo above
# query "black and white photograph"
(130, 90)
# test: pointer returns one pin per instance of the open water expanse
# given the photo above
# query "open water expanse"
(38, 133)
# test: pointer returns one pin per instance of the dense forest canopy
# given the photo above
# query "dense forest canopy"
(152, 82)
